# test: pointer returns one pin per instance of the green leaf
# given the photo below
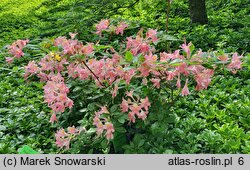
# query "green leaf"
(129, 56)
(83, 110)
(91, 130)
(168, 151)
(141, 143)
(192, 48)
(207, 65)
(122, 119)
(77, 88)
(120, 130)
(15, 69)
(119, 141)
(170, 38)
(101, 47)
(114, 108)
(176, 62)
(27, 150)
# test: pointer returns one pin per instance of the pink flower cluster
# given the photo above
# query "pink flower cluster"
(202, 77)
(106, 70)
(168, 70)
(235, 63)
(55, 94)
(135, 106)
(104, 25)
(63, 138)
(16, 50)
(72, 47)
(120, 28)
(45, 66)
(102, 123)
(140, 44)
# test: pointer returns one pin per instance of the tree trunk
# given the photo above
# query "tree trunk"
(198, 13)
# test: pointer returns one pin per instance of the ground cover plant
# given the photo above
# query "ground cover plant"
(118, 88)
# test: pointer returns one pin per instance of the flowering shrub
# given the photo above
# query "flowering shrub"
(127, 76)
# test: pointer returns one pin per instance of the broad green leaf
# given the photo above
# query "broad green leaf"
(129, 56)
(27, 150)
(176, 62)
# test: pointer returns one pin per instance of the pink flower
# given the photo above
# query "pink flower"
(116, 58)
(185, 90)
(114, 93)
(43, 77)
(120, 28)
(72, 70)
(142, 115)
(138, 45)
(128, 75)
(16, 52)
(104, 109)
(109, 130)
(21, 43)
(170, 56)
(102, 25)
(55, 94)
(72, 35)
(178, 83)
(135, 109)
(83, 73)
(131, 117)
(70, 46)
(203, 79)
(171, 75)
(31, 68)
(124, 105)
(63, 138)
(69, 103)
(152, 34)
(9, 59)
(130, 94)
(144, 69)
(16, 49)
(156, 82)
(72, 130)
(60, 40)
(53, 118)
(235, 63)
(186, 48)
(165, 56)
(63, 143)
(144, 81)
(145, 103)
(61, 133)
(103, 124)
(144, 48)
(99, 128)
(88, 49)
(223, 58)
(183, 68)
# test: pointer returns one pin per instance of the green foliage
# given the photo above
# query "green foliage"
(23, 116)
(227, 28)
(17, 20)
(26, 150)
(211, 121)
